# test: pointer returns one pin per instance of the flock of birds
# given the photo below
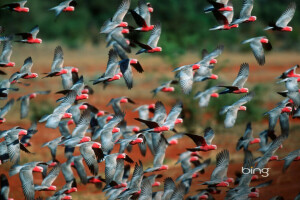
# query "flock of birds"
(108, 129)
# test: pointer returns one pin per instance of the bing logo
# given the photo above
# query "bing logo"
(264, 171)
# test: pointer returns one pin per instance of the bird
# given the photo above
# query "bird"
(284, 19)
(6, 54)
(245, 14)
(203, 143)
(185, 76)
(117, 19)
(26, 177)
(218, 5)
(65, 6)
(165, 87)
(25, 101)
(142, 16)
(247, 138)
(30, 37)
(170, 122)
(117, 36)
(292, 156)
(275, 113)
(112, 72)
(238, 84)
(224, 18)
(16, 6)
(60, 111)
(159, 156)
(151, 45)
(25, 71)
(46, 185)
(262, 161)
(232, 110)
(91, 152)
(204, 97)
(126, 70)
(192, 172)
(291, 72)
(218, 177)
(57, 63)
(258, 45)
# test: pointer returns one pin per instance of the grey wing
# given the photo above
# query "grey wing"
(58, 59)
(242, 76)
(243, 100)
(6, 108)
(209, 135)
(26, 68)
(270, 151)
(178, 193)
(122, 10)
(112, 63)
(160, 151)
(83, 124)
(258, 51)
(144, 12)
(231, 116)
(287, 16)
(289, 158)
(50, 178)
(120, 39)
(159, 113)
(13, 149)
(155, 35)
(90, 158)
(35, 31)
(186, 80)
(222, 166)
(246, 9)
(24, 106)
(174, 113)
(67, 171)
(27, 183)
(6, 52)
(146, 190)
(22, 3)
(136, 176)
(80, 169)
(127, 73)
(218, 51)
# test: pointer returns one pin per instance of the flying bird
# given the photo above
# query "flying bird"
(245, 14)
(238, 84)
(66, 6)
(17, 6)
(151, 45)
(258, 45)
(284, 19)
(117, 19)
(30, 37)
(232, 110)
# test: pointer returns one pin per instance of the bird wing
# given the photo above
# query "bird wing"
(258, 51)
(58, 59)
(155, 35)
(242, 76)
(122, 10)
(287, 15)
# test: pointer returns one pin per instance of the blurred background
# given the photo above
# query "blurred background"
(184, 34)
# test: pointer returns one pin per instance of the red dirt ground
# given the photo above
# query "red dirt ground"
(286, 184)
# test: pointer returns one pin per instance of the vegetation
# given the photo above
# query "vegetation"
(185, 26)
